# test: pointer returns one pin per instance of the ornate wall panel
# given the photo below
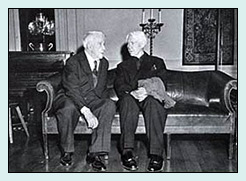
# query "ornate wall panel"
(201, 36)
(227, 38)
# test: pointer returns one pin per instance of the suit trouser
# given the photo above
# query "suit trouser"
(154, 116)
(68, 115)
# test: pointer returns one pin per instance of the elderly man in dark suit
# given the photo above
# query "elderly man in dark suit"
(133, 99)
(83, 94)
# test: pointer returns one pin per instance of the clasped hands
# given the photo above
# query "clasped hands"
(139, 94)
(91, 119)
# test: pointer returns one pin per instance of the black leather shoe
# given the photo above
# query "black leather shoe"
(66, 159)
(128, 161)
(96, 162)
(155, 163)
(104, 155)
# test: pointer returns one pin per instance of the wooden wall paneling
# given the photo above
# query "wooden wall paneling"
(11, 30)
(80, 25)
(14, 30)
(72, 29)
(68, 23)
(17, 30)
(61, 29)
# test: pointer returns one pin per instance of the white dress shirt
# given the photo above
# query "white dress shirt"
(91, 61)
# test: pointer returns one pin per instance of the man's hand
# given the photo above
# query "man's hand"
(90, 117)
(139, 94)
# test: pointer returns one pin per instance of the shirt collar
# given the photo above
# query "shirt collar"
(89, 57)
(91, 60)
(140, 55)
(144, 55)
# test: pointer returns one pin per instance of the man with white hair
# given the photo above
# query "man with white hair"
(133, 99)
(84, 81)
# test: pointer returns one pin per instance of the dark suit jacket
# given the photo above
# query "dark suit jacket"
(77, 80)
(127, 74)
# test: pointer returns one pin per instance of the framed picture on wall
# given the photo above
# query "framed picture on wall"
(200, 38)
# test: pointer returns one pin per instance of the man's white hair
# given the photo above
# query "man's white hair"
(139, 36)
(92, 36)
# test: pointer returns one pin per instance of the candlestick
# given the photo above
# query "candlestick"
(159, 16)
(151, 27)
(143, 16)
(151, 13)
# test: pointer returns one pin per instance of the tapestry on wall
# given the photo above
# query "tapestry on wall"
(201, 33)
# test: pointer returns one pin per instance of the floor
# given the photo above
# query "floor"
(190, 153)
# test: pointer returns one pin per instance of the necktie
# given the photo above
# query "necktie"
(94, 71)
(138, 64)
(95, 68)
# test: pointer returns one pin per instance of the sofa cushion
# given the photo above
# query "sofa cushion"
(187, 87)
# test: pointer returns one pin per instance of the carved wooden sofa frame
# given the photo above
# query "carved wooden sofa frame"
(177, 122)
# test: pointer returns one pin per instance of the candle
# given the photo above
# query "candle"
(159, 16)
(143, 16)
(151, 13)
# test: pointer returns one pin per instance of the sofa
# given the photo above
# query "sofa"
(206, 103)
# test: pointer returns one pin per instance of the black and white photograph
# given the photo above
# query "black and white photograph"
(113, 90)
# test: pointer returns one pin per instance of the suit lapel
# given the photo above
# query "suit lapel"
(85, 65)
(143, 67)
(100, 68)
(135, 72)
(131, 68)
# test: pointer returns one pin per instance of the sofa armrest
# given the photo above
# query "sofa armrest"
(219, 90)
(50, 86)
(46, 86)
(230, 96)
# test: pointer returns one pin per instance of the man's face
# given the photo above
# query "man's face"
(134, 46)
(97, 48)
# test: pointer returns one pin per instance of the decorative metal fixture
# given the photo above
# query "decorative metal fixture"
(151, 28)
(41, 26)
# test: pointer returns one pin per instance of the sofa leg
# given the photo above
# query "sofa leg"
(168, 146)
(231, 146)
(46, 151)
(232, 137)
